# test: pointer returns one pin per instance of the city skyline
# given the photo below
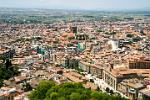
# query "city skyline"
(79, 4)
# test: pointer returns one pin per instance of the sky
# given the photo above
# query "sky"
(79, 4)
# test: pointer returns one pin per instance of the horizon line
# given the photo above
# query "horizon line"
(72, 9)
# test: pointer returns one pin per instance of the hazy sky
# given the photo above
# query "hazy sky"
(78, 4)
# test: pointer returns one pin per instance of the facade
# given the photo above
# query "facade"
(81, 36)
(145, 93)
(71, 63)
(91, 69)
(132, 90)
(110, 79)
(114, 44)
(139, 64)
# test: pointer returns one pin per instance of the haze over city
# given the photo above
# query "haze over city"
(74, 49)
(79, 4)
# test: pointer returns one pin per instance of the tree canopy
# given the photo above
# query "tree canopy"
(48, 90)
(7, 70)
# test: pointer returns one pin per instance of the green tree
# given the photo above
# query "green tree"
(107, 90)
(41, 90)
(54, 96)
(111, 92)
(98, 96)
(75, 96)
(27, 87)
(51, 90)
(1, 83)
(61, 98)
(7, 70)
(130, 35)
(68, 91)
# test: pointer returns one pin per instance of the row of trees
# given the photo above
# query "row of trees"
(48, 90)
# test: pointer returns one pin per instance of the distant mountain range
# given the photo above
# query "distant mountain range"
(143, 11)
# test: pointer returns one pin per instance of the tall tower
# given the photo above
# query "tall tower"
(111, 28)
(73, 27)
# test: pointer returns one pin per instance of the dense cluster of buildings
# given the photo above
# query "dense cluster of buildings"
(100, 54)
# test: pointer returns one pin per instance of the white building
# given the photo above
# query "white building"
(114, 44)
